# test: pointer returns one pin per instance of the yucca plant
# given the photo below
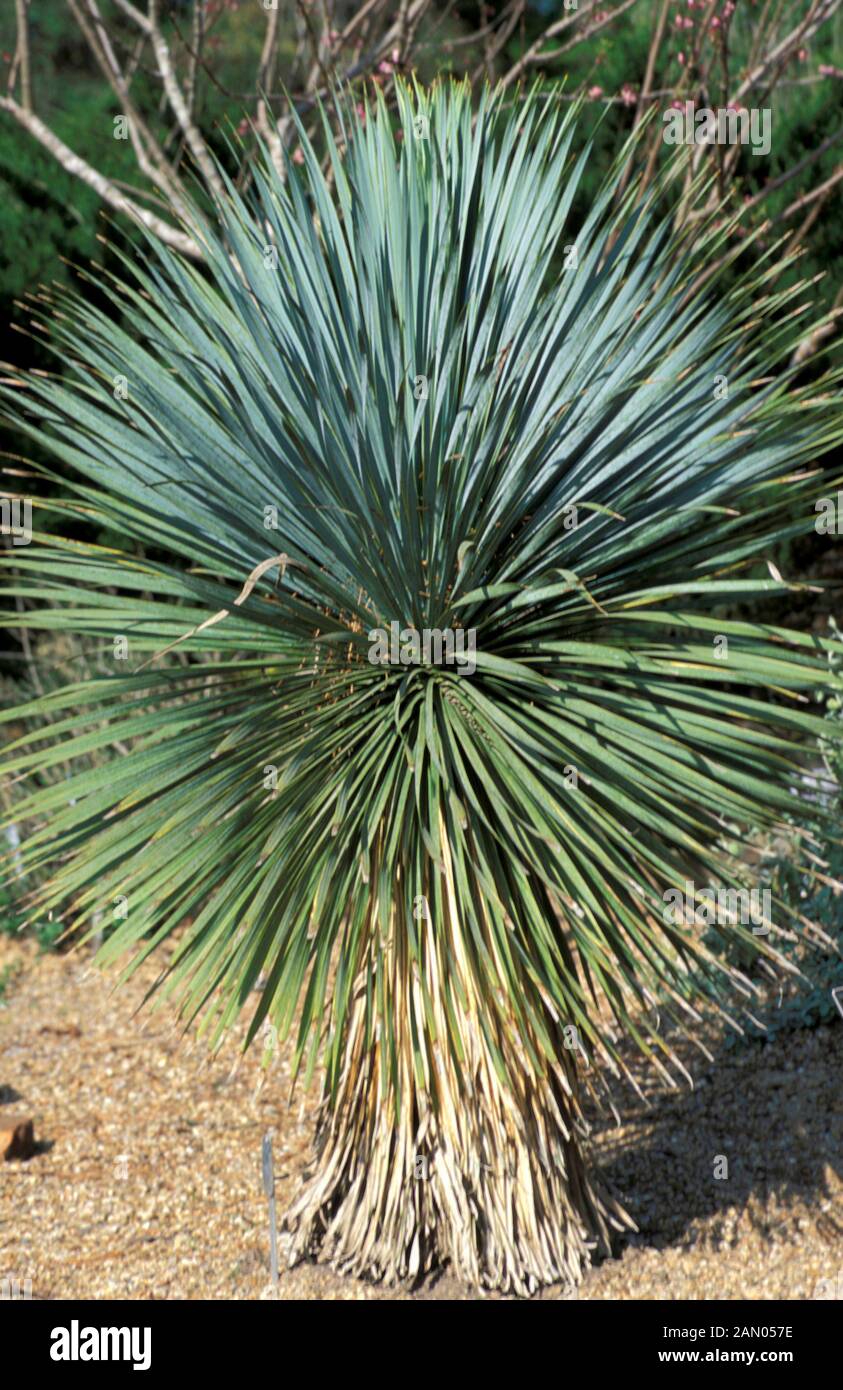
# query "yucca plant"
(412, 391)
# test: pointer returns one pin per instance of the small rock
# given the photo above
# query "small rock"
(17, 1137)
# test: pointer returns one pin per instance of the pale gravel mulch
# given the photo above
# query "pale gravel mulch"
(115, 1095)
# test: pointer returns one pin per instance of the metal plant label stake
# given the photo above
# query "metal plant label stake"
(269, 1189)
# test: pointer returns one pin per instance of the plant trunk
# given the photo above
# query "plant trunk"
(487, 1176)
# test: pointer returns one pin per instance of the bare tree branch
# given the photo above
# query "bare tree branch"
(74, 164)
(273, 138)
(821, 191)
(644, 93)
(197, 35)
(340, 42)
(22, 54)
(177, 101)
(536, 55)
(509, 23)
(150, 156)
(137, 16)
(808, 159)
(817, 16)
(823, 330)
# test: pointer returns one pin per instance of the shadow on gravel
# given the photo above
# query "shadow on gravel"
(761, 1131)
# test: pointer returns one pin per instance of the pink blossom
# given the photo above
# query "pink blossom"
(628, 95)
(595, 92)
(298, 157)
(715, 23)
(826, 70)
(680, 58)
(802, 54)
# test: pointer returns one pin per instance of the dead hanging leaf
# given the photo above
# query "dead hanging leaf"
(282, 560)
(576, 583)
(809, 588)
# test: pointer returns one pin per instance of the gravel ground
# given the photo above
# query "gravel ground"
(147, 1179)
